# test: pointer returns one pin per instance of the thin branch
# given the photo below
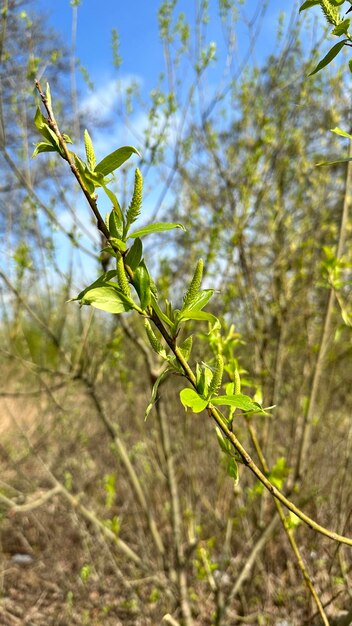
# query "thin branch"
(212, 411)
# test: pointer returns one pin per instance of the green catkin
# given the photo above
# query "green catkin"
(217, 376)
(331, 12)
(121, 277)
(153, 340)
(237, 382)
(194, 287)
(90, 154)
(134, 209)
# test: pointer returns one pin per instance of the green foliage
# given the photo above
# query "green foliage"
(115, 159)
(330, 9)
(193, 400)
(157, 227)
(333, 52)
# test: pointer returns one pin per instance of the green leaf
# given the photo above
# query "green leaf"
(158, 227)
(115, 159)
(191, 399)
(141, 282)
(342, 28)
(224, 443)
(202, 316)
(308, 4)
(186, 347)
(102, 280)
(341, 132)
(118, 243)
(39, 120)
(158, 381)
(239, 401)
(198, 302)
(107, 298)
(115, 225)
(42, 125)
(333, 52)
(82, 171)
(134, 255)
(43, 146)
(114, 201)
(67, 138)
(48, 94)
(232, 470)
(160, 313)
(325, 163)
(292, 521)
(204, 377)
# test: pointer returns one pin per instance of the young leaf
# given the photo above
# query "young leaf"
(158, 227)
(232, 470)
(114, 201)
(141, 282)
(201, 316)
(118, 243)
(224, 443)
(82, 171)
(325, 163)
(333, 52)
(134, 255)
(42, 125)
(198, 302)
(191, 399)
(160, 313)
(115, 159)
(43, 146)
(186, 347)
(114, 225)
(204, 377)
(158, 381)
(341, 132)
(239, 400)
(48, 95)
(307, 4)
(342, 28)
(100, 282)
(107, 298)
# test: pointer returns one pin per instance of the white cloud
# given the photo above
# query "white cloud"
(102, 102)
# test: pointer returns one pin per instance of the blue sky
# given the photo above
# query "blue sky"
(141, 50)
(137, 25)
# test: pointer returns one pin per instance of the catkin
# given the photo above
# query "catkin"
(331, 12)
(237, 382)
(153, 340)
(90, 154)
(136, 203)
(217, 376)
(194, 287)
(121, 277)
